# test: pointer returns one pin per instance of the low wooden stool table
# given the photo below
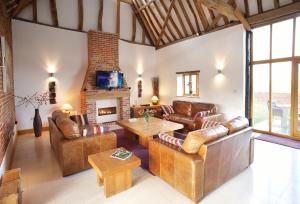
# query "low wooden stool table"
(115, 174)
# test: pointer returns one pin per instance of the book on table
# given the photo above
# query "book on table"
(121, 154)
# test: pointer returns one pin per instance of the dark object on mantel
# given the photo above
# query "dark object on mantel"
(37, 123)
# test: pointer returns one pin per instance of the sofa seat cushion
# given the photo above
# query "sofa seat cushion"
(195, 139)
(182, 119)
(237, 124)
(68, 127)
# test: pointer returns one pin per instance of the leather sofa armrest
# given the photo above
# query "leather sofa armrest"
(214, 117)
(183, 171)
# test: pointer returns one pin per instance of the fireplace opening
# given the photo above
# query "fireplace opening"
(107, 111)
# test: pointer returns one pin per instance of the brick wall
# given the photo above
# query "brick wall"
(103, 54)
(7, 106)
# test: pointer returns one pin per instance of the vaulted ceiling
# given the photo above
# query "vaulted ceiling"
(165, 22)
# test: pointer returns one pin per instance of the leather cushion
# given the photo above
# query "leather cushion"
(80, 119)
(195, 139)
(58, 113)
(237, 124)
(68, 127)
(183, 108)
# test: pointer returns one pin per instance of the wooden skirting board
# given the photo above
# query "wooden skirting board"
(29, 131)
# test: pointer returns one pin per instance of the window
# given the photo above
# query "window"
(275, 49)
(188, 83)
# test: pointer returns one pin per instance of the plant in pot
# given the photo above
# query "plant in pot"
(36, 101)
(146, 114)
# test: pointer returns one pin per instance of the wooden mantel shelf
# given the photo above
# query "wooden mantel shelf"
(102, 94)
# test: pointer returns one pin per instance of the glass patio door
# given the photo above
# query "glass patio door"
(296, 110)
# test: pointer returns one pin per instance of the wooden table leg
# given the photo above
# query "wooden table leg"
(99, 180)
(117, 182)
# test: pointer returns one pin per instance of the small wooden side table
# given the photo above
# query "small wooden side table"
(115, 174)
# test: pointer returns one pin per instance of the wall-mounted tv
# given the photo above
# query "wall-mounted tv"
(109, 79)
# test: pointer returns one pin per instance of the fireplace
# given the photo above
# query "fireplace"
(107, 111)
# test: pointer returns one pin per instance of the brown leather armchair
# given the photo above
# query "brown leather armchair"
(196, 175)
(185, 112)
(72, 154)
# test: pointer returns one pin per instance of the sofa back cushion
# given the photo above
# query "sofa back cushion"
(195, 139)
(198, 107)
(80, 119)
(58, 113)
(183, 108)
(237, 124)
(68, 127)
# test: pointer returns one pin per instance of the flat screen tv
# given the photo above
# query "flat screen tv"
(109, 79)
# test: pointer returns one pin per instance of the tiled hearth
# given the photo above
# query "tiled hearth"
(103, 54)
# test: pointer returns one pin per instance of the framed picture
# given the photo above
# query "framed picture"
(5, 65)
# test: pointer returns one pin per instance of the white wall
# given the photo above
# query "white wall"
(135, 60)
(36, 47)
(204, 53)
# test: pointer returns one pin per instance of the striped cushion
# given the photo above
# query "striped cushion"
(209, 123)
(172, 140)
(201, 114)
(168, 109)
(81, 120)
(87, 131)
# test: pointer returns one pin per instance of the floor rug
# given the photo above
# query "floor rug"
(279, 140)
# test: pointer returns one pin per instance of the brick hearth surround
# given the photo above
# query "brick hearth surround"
(103, 54)
(7, 102)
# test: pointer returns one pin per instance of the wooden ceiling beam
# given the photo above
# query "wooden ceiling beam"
(22, 4)
(194, 15)
(201, 15)
(276, 3)
(187, 18)
(34, 11)
(180, 20)
(127, 1)
(233, 14)
(54, 12)
(133, 27)
(172, 20)
(118, 17)
(246, 5)
(163, 18)
(271, 15)
(165, 23)
(100, 15)
(143, 23)
(158, 23)
(80, 15)
(259, 6)
(146, 5)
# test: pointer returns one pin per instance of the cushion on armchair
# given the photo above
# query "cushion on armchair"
(237, 124)
(69, 128)
(80, 119)
(195, 139)
(167, 109)
(201, 114)
(169, 139)
(91, 130)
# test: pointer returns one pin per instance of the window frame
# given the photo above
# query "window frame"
(190, 74)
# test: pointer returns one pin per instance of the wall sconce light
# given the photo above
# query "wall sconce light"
(139, 84)
(52, 88)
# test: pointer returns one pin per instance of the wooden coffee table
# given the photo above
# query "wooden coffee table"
(115, 174)
(146, 130)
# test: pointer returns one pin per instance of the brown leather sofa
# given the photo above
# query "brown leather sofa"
(185, 112)
(196, 175)
(72, 154)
